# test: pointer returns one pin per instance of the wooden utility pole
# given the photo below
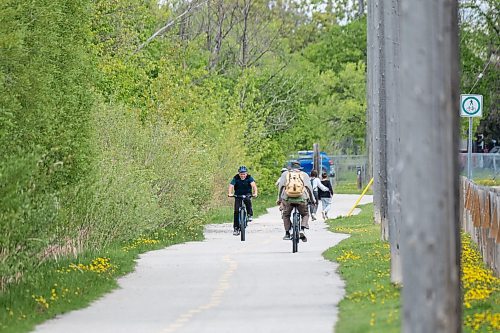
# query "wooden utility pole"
(370, 33)
(391, 52)
(361, 8)
(429, 91)
(316, 158)
(378, 104)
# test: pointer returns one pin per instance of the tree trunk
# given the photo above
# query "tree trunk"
(215, 52)
(244, 36)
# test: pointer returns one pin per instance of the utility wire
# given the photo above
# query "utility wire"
(479, 77)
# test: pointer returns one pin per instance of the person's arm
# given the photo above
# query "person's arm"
(281, 185)
(254, 188)
(330, 187)
(321, 186)
(230, 190)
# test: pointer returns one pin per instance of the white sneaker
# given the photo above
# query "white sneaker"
(302, 236)
(236, 232)
(313, 216)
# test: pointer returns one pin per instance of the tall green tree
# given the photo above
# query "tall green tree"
(46, 82)
(479, 47)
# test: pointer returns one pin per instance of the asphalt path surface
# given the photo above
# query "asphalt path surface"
(225, 285)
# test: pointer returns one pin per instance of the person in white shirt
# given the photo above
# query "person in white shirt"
(316, 186)
(278, 181)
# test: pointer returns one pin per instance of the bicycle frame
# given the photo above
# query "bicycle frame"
(242, 215)
(296, 218)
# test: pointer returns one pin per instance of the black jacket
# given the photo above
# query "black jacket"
(326, 194)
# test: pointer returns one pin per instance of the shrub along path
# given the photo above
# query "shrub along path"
(223, 285)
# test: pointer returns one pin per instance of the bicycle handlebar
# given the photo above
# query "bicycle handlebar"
(242, 196)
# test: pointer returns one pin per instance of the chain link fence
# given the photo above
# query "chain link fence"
(350, 171)
(483, 166)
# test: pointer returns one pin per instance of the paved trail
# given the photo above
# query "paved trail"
(224, 285)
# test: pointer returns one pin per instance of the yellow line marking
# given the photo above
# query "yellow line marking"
(214, 301)
(216, 298)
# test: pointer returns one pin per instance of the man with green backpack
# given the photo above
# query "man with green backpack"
(295, 190)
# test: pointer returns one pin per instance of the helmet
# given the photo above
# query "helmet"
(242, 169)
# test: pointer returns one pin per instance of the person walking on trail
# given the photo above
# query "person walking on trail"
(295, 190)
(316, 186)
(325, 196)
(242, 184)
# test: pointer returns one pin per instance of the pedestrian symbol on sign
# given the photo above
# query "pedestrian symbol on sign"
(471, 105)
(471, 108)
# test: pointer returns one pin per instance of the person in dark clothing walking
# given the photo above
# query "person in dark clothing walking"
(325, 196)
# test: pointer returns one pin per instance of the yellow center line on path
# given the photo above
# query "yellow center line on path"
(216, 298)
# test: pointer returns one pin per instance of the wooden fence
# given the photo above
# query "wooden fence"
(481, 219)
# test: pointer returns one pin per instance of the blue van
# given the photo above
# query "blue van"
(305, 157)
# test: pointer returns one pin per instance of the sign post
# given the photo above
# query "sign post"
(470, 106)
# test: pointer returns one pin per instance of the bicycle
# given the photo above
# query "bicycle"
(296, 218)
(242, 214)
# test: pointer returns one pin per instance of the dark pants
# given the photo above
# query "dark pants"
(237, 205)
(287, 213)
(314, 207)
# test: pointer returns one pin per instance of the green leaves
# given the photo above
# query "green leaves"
(103, 143)
(45, 78)
(479, 44)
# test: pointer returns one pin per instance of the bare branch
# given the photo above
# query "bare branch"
(169, 24)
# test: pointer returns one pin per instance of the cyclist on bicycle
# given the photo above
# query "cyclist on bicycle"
(242, 184)
(300, 200)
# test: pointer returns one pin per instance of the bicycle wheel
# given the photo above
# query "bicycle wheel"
(243, 223)
(295, 232)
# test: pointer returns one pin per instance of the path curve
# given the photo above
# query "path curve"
(224, 285)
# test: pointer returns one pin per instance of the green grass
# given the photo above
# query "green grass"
(487, 181)
(57, 287)
(349, 187)
(372, 302)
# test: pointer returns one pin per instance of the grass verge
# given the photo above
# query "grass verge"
(372, 302)
(346, 187)
(487, 181)
(59, 286)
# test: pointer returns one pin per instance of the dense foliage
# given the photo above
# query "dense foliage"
(479, 45)
(107, 134)
(122, 117)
